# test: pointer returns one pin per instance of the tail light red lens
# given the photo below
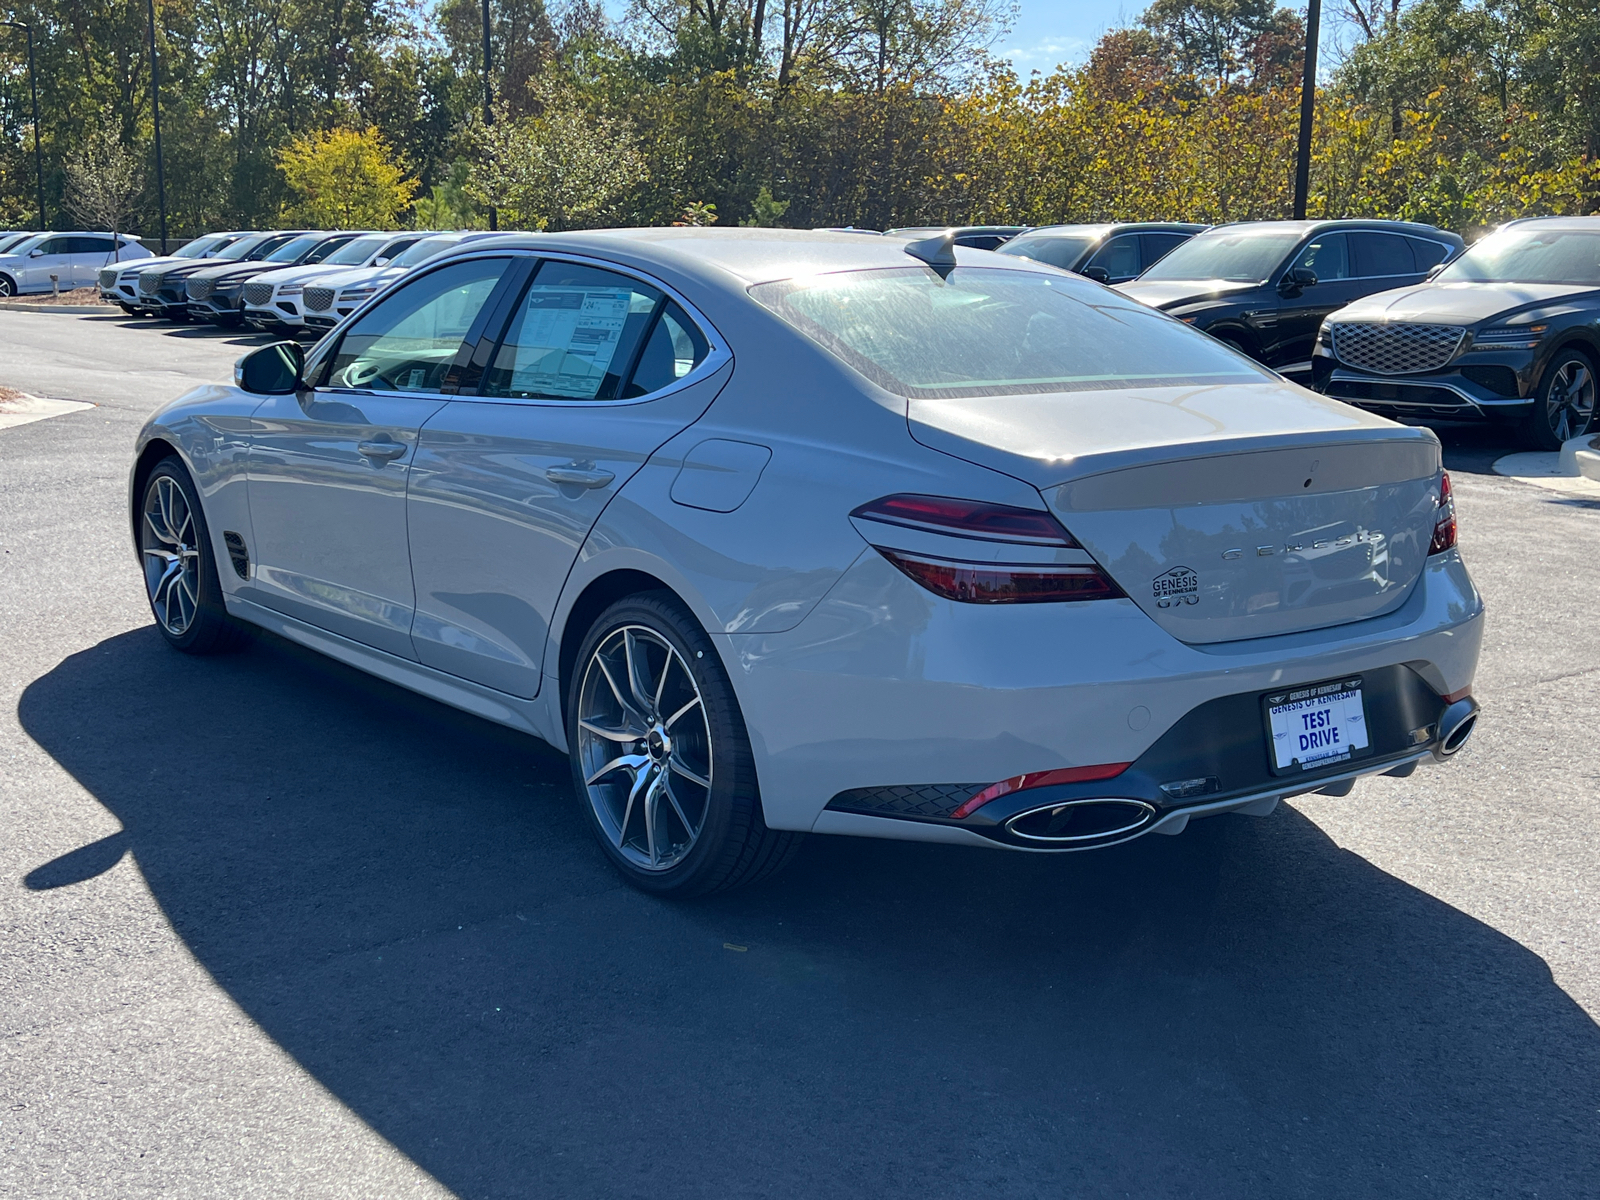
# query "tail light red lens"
(969, 518)
(1039, 779)
(1444, 520)
(987, 582)
(1004, 583)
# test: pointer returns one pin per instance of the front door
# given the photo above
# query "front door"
(329, 466)
(596, 371)
(1299, 317)
(53, 256)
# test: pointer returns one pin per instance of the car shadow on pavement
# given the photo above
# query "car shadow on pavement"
(407, 900)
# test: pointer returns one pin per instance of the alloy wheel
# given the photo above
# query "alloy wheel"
(1569, 402)
(644, 747)
(6, 288)
(167, 537)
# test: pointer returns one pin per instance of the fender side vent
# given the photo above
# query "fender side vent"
(237, 553)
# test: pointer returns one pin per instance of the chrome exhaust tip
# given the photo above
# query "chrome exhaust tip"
(1081, 824)
(1456, 724)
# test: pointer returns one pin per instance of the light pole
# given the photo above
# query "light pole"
(488, 107)
(33, 87)
(1308, 106)
(155, 110)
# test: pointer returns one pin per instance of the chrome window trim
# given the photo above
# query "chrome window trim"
(718, 355)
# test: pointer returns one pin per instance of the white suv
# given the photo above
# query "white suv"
(65, 260)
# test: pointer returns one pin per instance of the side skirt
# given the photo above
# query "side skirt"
(529, 716)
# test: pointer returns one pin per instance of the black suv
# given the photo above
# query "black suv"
(162, 287)
(1105, 253)
(216, 294)
(1265, 286)
(1509, 331)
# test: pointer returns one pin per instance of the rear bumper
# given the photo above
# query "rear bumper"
(885, 687)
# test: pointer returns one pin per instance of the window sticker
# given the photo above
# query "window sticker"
(567, 341)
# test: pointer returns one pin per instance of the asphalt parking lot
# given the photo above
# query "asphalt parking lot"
(271, 928)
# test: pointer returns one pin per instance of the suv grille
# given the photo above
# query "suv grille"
(108, 278)
(318, 299)
(1393, 348)
(200, 289)
(149, 282)
(258, 293)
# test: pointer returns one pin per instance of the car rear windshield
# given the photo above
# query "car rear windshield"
(1238, 256)
(1529, 256)
(423, 250)
(1059, 250)
(985, 331)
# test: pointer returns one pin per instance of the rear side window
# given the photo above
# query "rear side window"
(1428, 254)
(1158, 245)
(1379, 254)
(575, 335)
(674, 348)
(984, 331)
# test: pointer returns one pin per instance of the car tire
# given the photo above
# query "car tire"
(8, 287)
(1564, 404)
(180, 569)
(661, 760)
(129, 309)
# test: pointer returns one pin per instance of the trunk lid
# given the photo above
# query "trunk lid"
(1225, 512)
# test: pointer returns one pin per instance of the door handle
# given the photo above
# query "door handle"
(382, 451)
(588, 477)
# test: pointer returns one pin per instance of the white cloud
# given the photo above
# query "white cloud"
(1047, 53)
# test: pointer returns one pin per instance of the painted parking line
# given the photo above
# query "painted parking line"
(19, 408)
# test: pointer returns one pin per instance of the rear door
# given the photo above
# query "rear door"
(596, 369)
(90, 252)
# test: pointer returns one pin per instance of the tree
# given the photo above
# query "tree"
(449, 206)
(344, 179)
(564, 168)
(104, 178)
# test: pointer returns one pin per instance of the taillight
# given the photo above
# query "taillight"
(980, 579)
(1444, 520)
(1039, 779)
(969, 518)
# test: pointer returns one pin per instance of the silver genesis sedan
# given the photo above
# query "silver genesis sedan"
(779, 531)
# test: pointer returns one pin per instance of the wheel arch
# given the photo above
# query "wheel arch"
(154, 451)
(599, 594)
(1580, 340)
(1238, 336)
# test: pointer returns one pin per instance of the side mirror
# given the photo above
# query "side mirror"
(1098, 274)
(380, 262)
(272, 370)
(35, 253)
(1296, 279)
(1434, 270)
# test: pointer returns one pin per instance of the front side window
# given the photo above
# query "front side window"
(1522, 255)
(1233, 255)
(409, 340)
(574, 336)
(984, 331)
(1328, 256)
(1118, 258)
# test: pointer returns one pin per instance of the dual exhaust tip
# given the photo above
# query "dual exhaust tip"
(1082, 824)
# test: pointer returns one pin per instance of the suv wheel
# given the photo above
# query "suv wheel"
(660, 758)
(1563, 407)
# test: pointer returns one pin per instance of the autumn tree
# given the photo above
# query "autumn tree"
(345, 179)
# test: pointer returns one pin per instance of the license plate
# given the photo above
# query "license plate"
(1316, 726)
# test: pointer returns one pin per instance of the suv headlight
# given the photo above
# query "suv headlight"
(1509, 337)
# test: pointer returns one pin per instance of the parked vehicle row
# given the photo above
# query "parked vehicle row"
(784, 531)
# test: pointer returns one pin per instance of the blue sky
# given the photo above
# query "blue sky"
(1049, 32)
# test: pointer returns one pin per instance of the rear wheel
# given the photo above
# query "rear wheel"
(1563, 407)
(660, 757)
(180, 571)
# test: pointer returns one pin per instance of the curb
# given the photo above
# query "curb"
(60, 308)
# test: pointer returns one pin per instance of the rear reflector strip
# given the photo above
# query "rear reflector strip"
(1039, 779)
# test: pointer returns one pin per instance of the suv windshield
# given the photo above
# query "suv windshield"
(245, 248)
(986, 331)
(291, 250)
(1529, 256)
(356, 252)
(423, 250)
(1057, 249)
(1237, 255)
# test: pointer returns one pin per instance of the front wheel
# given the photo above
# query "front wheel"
(8, 287)
(1563, 407)
(180, 571)
(660, 757)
